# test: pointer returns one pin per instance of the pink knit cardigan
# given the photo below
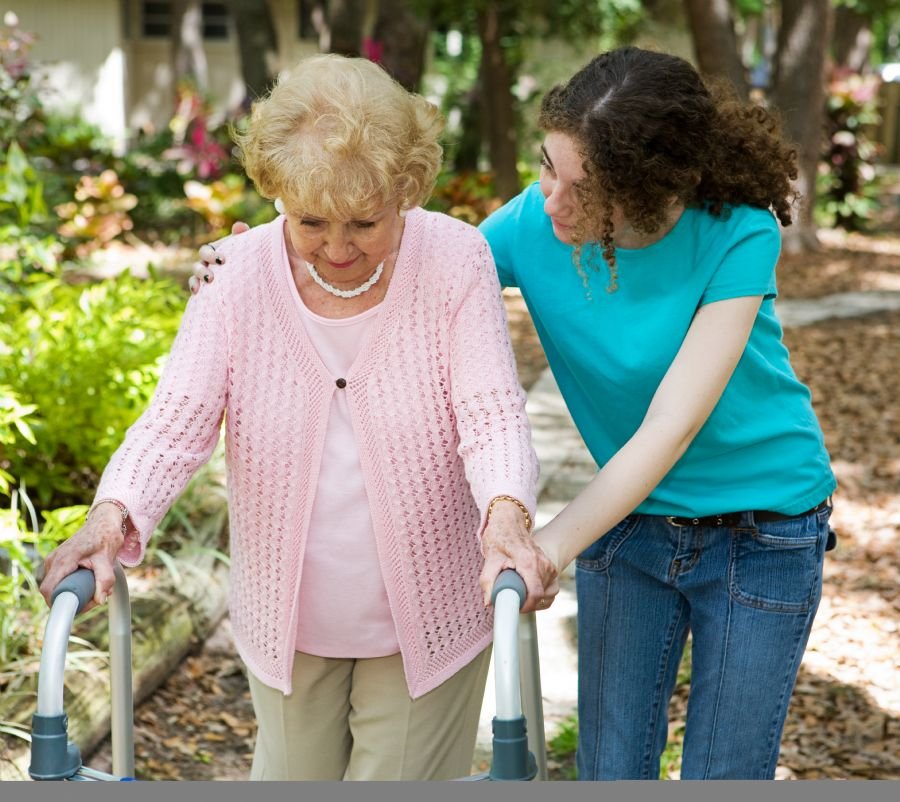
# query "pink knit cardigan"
(440, 422)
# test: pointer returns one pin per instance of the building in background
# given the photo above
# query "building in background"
(114, 59)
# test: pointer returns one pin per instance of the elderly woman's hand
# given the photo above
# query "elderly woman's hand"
(507, 543)
(209, 256)
(94, 546)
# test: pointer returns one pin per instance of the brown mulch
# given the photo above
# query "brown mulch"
(844, 720)
(845, 263)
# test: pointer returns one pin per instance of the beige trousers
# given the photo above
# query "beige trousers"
(354, 720)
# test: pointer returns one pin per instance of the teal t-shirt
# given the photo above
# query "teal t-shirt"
(762, 447)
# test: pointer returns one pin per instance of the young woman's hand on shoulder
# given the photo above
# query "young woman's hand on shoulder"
(209, 255)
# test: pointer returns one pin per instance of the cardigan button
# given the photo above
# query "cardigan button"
(341, 383)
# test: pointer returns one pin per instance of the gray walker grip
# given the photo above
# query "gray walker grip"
(81, 583)
(509, 580)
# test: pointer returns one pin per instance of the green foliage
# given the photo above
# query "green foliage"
(19, 601)
(847, 192)
(60, 146)
(610, 21)
(24, 250)
(161, 213)
(13, 426)
(562, 746)
(457, 47)
(199, 147)
(99, 212)
(22, 609)
(225, 201)
(87, 358)
(83, 360)
(19, 102)
(21, 192)
(468, 196)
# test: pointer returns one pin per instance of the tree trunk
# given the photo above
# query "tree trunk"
(399, 39)
(188, 55)
(497, 97)
(256, 42)
(715, 43)
(347, 22)
(852, 40)
(799, 94)
(472, 131)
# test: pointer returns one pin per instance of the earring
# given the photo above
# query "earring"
(402, 212)
(279, 205)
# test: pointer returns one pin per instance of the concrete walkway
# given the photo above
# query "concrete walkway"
(566, 467)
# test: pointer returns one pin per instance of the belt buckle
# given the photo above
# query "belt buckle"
(674, 520)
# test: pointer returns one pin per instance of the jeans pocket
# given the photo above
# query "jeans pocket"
(777, 566)
(599, 554)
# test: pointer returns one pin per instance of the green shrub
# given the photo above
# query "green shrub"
(21, 606)
(25, 249)
(468, 195)
(846, 190)
(13, 426)
(87, 358)
(98, 214)
(20, 104)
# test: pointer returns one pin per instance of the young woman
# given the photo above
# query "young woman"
(646, 255)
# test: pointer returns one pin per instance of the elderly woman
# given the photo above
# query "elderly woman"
(374, 428)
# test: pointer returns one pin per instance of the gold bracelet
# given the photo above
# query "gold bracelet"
(515, 501)
(118, 504)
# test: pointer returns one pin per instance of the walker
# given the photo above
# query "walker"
(518, 751)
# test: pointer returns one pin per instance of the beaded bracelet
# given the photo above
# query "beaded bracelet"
(515, 501)
(120, 506)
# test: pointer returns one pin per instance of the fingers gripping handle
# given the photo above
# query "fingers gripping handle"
(509, 580)
(81, 583)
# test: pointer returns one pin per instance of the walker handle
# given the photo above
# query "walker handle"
(508, 579)
(81, 583)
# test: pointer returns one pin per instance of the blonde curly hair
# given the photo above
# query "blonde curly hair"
(338, 138)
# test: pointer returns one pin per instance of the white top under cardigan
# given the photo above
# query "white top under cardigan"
(343, 609)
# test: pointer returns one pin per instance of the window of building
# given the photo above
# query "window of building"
(215, 21)
(158, 20)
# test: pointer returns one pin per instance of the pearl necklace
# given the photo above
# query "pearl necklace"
(367, 285)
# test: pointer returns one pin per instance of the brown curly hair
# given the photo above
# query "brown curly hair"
(651, 130)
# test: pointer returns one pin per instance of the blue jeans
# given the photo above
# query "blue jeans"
(748, 595)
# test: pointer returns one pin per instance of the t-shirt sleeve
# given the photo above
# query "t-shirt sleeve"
(747, 264)
(499, 230)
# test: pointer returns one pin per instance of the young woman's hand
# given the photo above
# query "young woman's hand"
(507, 543)
(94, 546)
(209, 256)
